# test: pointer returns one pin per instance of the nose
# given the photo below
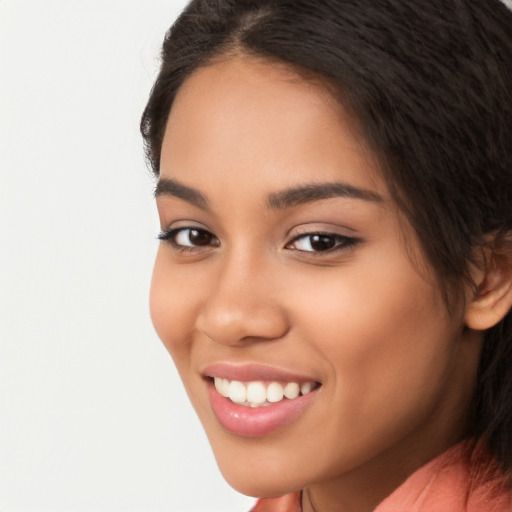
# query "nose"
(243, 305)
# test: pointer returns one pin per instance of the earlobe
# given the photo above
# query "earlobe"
(493, 297)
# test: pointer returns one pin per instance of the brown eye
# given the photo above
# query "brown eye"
(320, 242)
(192, 237)
(199, 237)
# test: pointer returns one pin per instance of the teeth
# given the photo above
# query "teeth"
(291, 390)
(257, 394)
(306, 388)
(222, 386)
(237, 392)
(275, 392)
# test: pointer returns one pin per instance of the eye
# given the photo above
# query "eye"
(188, 238)
(320, 242)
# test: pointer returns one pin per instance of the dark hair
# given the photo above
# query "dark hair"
(431, 84)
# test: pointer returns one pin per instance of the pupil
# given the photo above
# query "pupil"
(322, 242)
(198, 237)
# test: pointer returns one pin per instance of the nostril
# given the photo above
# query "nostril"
(241, 323)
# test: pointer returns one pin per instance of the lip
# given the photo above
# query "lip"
(258, 421)
(252, 372)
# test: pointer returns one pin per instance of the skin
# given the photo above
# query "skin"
(364, 319)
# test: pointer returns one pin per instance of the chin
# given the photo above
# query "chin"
(258, 485)
(258, 477)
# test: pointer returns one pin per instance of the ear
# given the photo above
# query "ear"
(493, 297)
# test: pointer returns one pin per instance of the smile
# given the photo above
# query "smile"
(261, 394)
(257, 400)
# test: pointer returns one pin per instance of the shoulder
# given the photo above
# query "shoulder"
(466, 478)
(288, 503)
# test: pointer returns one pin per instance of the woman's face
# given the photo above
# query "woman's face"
(286, 266)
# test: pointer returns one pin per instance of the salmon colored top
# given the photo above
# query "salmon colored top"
(465, 478)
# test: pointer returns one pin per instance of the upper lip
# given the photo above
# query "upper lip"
(253, 372)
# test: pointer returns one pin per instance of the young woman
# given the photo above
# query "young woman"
(335, 274)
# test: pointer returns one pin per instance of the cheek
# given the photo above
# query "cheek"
(171, 307)
(386, 335)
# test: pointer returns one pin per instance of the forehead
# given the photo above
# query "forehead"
(244, 117)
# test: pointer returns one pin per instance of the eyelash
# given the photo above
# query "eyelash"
(169, 235)
(339, 242)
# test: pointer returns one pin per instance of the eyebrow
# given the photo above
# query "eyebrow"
(317, 191)
(169, 187)
(286, 198)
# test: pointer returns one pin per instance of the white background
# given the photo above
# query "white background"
(92, 414)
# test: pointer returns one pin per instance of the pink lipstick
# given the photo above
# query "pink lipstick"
(256, 400)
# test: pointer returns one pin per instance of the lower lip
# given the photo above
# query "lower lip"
(256, 421)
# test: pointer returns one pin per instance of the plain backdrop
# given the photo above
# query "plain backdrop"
(93, 416)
